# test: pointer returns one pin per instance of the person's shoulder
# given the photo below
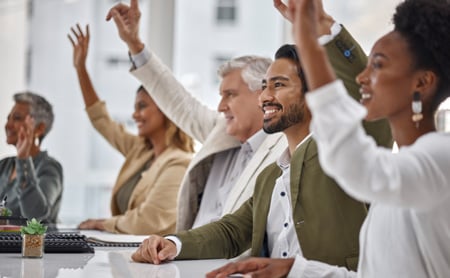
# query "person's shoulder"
(49, 160)
(7, 160)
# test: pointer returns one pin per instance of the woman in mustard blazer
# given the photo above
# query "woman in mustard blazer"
(144, 198)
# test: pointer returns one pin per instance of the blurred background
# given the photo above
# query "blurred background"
(192, 37)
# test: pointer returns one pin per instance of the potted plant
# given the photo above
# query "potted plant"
(4, 212)
(33, 235)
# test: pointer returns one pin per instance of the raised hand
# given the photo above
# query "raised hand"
(324, 23)
(25, 138)
(255, 267)
(80, 45)
(307, 15)
(155, 249)
(127, 19)
(283, 9)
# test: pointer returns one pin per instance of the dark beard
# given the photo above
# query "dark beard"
(294, 115)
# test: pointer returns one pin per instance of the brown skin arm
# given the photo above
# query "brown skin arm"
(306, 27)
(255, 267)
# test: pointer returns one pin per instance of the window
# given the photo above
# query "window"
(226, 12)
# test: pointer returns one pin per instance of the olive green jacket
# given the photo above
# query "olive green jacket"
(327, 220)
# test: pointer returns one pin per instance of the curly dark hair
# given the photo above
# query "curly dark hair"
(425, 25)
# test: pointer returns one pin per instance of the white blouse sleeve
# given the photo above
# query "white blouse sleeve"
(303, 268)
(416, 177)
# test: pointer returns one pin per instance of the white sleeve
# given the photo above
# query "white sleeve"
(416, 177)
(177, 242)
(303, 268)
(179, 105)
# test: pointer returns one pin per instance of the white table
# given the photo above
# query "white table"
(106, 262)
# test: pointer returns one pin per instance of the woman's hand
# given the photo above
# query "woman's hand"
(92, 224)
(255, 267)
(25, 138)
(80, 45)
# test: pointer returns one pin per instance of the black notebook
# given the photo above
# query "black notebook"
(55, 242)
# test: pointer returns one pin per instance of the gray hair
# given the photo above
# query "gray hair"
(253, 69)
(40, 110)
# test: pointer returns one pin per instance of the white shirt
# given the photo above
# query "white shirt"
(407, 230)
(282, 237)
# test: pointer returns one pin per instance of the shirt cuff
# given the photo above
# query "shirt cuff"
(335, 30)
(177, 242)
(140, 59)
(298, 267)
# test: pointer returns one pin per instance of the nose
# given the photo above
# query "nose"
(362, 77)
(135, 115)
(266, 96)
(223, 106)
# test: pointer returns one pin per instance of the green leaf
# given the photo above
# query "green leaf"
(33, 227)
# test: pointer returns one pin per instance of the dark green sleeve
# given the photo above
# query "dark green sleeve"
(225, 238)
(348, 60)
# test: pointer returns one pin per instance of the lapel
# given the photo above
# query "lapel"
(131, 166)
(217, 141)
(297, 170)
(252, 168)
(149, 175)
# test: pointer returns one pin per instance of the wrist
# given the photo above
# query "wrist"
(135, 46)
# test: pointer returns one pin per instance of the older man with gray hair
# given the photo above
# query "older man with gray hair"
(235, 148)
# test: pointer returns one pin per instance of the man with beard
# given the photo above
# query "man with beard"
(295, 208)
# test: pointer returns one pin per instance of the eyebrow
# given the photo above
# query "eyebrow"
(275, 78)
(378, 54)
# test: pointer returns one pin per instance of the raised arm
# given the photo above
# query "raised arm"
(324, 20)
(80, 44)
(307, 26)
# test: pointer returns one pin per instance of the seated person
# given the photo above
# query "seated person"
(144, 198)
(406, 233)
(31, 181)
(235, 149)
(296, 208)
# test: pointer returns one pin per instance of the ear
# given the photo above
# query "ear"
(39, 130)
(427, 83)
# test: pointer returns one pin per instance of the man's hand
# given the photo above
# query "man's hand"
(80, 45)
(255, 267)
(324, 20)
(127, 22)
(155, 249)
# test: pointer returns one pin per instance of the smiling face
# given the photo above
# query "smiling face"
(150, 121)
(15, 120)
(388, 81)
(239, 106)
(282, 100)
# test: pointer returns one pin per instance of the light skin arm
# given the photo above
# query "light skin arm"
(324, 22)
(306, 27)
(126, 18)
(155, 250)
(80, 43)
(255, 268)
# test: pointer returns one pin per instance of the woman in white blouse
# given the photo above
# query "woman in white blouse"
(407, 230)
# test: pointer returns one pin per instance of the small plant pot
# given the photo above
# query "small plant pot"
(33, 246)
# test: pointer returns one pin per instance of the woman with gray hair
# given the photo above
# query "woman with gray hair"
(32, 181)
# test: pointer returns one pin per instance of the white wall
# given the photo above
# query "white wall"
(13, 46)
